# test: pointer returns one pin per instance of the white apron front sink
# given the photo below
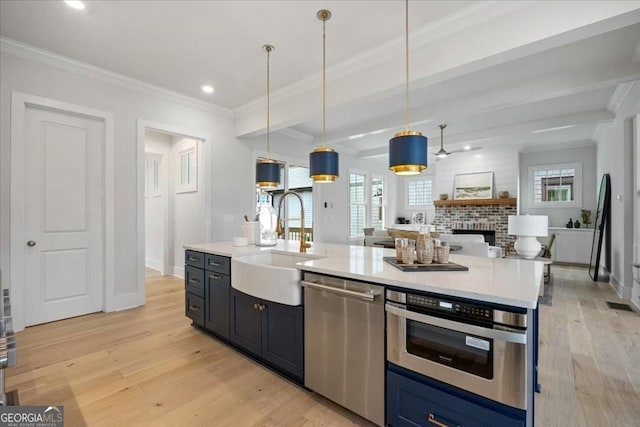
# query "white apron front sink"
(272, 276)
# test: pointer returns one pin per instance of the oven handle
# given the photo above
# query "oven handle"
(496, 334)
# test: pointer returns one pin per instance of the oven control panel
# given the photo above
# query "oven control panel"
(462, 309)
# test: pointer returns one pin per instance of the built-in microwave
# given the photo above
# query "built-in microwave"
(471, 346)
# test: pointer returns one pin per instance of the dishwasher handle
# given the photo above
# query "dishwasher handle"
(368, 296)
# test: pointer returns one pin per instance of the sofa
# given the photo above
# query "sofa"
(375, 237)
(472, 244)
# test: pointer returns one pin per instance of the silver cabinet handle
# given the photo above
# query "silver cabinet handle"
(369, 296)
(192, 258)
(216, 277)
(496, 334)
(31, 243)
(194, 308)
(214, 263)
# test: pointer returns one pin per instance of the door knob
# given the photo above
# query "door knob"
(31, 243)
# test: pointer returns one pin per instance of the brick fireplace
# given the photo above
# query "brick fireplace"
(480, 216)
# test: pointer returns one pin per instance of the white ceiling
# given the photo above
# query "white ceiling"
(547, 76)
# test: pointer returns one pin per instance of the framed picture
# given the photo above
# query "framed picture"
(418, 218)
(473, 186)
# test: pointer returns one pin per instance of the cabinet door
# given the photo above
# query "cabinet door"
(283, 337)
(217, 302)
(245, 322)
(411, 403)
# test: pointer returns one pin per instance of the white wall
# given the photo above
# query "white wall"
(502, 161)
(157, 146)
(332, 222)
(187, 212)
(558, 217)
(231, 162)
(615, 156)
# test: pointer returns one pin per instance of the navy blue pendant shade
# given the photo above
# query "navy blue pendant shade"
(267, 174)
(323, 165)
(408, 153)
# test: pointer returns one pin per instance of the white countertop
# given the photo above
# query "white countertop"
(511, 282)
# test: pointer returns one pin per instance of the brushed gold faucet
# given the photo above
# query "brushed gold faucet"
(280, 221)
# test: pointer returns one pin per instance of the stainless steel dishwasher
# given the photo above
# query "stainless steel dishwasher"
(344, 343)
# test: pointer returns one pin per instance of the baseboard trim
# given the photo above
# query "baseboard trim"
(622, 291)
(153, 263)
(178, 271)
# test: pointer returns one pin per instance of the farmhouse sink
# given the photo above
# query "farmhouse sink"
(272, 276)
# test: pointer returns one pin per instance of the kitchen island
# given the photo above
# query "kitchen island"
(273, 333)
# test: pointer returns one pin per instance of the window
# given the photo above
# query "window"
(555, 185)
(188, 170)
(294, 178)
(357, 204)
(419, 192)
(377, 203)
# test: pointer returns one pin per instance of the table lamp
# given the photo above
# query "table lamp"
(527, 228)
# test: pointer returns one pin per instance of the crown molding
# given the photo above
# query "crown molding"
(619, 95)
(468, 17)
(31, 53)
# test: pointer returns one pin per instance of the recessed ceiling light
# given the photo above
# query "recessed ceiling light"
(467, 147)
(207, 89)
(76, 4)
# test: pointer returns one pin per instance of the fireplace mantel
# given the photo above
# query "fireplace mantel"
(476, 202)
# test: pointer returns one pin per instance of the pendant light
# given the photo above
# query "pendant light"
(267, 170)
(408, 148)
(323, 161)
(442, 153)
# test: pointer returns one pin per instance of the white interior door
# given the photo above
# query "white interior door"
(63, 179)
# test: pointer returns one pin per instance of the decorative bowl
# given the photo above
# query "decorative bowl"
(503, 194)
(444, 196)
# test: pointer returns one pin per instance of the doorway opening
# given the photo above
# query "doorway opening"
(175, 196)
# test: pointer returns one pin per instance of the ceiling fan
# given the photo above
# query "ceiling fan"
(442, 153)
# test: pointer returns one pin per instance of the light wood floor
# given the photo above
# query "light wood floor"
(148, 366)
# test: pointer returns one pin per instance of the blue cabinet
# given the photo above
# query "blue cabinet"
(412, 402)
(216, 295)
(283, 337)
(246, 322)
(273, 332)
(207, 281)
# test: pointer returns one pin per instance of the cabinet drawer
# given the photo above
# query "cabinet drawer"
(221, 264)
(194, 280)
(194, 308)
(218, 279)
(194, 259)
(412, 403)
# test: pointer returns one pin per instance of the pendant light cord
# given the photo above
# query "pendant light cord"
(268, 48)
(324, 82)
(406, 15)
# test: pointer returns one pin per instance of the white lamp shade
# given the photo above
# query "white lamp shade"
(529, 225)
